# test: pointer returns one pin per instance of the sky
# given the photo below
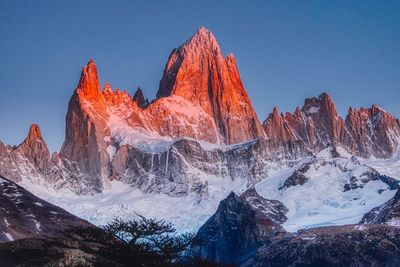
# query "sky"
(285, 51)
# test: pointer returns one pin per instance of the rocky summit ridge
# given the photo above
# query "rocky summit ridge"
(201, 123)
(365, 132)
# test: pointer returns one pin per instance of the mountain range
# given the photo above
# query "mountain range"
(177, 156)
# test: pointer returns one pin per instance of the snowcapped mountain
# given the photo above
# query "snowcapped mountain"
(177, 156)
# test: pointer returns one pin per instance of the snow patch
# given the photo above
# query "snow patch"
(9, 236)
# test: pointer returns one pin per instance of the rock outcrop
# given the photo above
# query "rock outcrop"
(86, 126)
(139, 98)
(239, 226)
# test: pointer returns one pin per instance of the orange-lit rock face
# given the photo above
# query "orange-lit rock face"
(197, 72)
(316, 124)
(89, 86)
(86, 125)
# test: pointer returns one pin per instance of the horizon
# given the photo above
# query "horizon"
(348, 60)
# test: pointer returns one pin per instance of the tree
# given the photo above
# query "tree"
(139, 242)
(150, 236)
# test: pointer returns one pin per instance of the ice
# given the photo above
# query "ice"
(125, 202)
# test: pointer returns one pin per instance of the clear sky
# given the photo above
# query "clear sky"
(285, 50)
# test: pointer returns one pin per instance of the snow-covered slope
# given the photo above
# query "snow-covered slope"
(186, 213)
(327, 189)
(339, 190)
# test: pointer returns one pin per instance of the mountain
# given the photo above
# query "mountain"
(365, 132)
(197, 72)
(316, 124)
(26, 216)
(176, 156)
(106, 130)
(34, 148)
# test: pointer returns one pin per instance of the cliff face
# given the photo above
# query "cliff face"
(86, 126)
(197, 72)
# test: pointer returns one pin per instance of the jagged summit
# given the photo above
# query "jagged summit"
(203, 40)
(365, 131)
(34, 134)
(89, 86)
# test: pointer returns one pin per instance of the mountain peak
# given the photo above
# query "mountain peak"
(34, 133)
(203, 30)
(324, 95)
(34, 147)
(139, 98)
(202, 43)
(321, 104)
(197, 72)
(89, 86)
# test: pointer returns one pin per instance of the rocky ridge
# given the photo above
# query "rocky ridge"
(365, 132)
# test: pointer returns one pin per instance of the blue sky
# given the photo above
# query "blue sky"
(285, 50)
